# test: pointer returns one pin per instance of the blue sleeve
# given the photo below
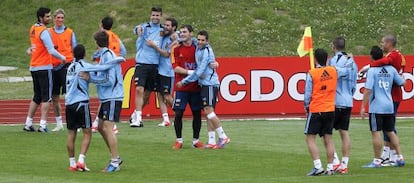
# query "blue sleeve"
(369, 83)
(74, 41)
(99, 78)
(308, 90)
(123, 50)
(200, 69)
(47, 41)
(397, 78)
(87, 67)
(342, 72)
(353, 77)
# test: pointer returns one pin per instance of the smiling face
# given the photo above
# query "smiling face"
(59, 19)
(186, 35)
(155, 17)
(201, 41)
(46, 19)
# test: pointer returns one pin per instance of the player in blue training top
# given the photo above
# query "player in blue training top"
(147, 60)
(77, 105)
(207, 77)
(344, 98)
(381, 108)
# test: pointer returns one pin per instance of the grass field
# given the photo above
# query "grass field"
(260, 151)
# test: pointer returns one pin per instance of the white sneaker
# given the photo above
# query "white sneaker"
(94, 129)
(58, 128)
(136, 124)
(164, 124)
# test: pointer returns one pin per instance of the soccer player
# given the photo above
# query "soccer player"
(77, 105)
(397, 60)
(64, 40)
(147, 60)
(165, 70)
(320, 91)
(207, 77)
(345, 90)
(110, 97)
(117, 46)
(183, 59)
(41, 69)
(378, 88)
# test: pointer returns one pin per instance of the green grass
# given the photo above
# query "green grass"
(260, 151)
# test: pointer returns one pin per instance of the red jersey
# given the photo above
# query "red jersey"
(184, 56)
(397, 60)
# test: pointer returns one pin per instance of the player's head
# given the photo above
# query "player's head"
(376, 53)
(59, 17)
(338, 43)
(321, 56)
(43, 15)
(170, 25)
(107, 22)
(388, 42)
(186, 32)
(101, 38)
(79, 52)
(202, 38)
(156, 13)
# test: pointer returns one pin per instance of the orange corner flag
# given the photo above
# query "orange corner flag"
(306, 46)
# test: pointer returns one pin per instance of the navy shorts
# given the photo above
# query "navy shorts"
(146, 76)
(209, 96)
(342, 117)
(381, 122)
(42, 86)
(78, 115)
(59, 81)
(319, 123)
(110, 111)
(181, 99)
(165, 84)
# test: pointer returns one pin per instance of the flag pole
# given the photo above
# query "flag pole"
(311, 59)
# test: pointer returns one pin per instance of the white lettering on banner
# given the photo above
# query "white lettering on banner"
(408, 77)
(293, 86)
(255, 79)
(358, 95)
(225, 88)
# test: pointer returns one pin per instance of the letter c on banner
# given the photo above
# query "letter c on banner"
(225, 88)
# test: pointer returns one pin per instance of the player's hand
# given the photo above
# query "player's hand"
(64, 61)
(151, 43)
(30, 50)
(84, 75)
(362, 112)
(214, 65)
(174, 36)
(179, 84)
(138, 30)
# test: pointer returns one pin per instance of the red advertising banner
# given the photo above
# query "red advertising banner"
(263, 86)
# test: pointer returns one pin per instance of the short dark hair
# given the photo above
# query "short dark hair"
(107, 23)
(101, 38)
(79, 52)
(41, 12)
(156, 9)
(188, 27)
(339, 43)
(203, 33)
(376, 53)
(321, 56)
(173, 21)
(391, 38)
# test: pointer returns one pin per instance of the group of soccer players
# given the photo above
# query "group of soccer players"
(163, 56)
(328, 102)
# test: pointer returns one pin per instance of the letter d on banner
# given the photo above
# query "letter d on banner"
(256, 85)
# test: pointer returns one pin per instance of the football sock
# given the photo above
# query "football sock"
(29, 121)
(59, 121)
(95, 122)
(138, 115)
(196, 124)
(221, 133)
(165, 117)
(115, 127)
(317, 163)
(345, 162)
(385, 153)
(195, 141)
(43, 123)
(212, 137)
(72, 162)
(178, 123)
(180, 140)
(336, 159)
(393, 155)
(81, 158)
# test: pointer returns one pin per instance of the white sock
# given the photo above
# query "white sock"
(317, 164)
(43, 123)
(72, 162)
(336, 159)
(393, 155)
(165, 117)
(212, 137)
(344, 162)
(329, 166)
(221, 133)
(385, 153)
(59, 121)
(195, 141)
(138, 115)
(81, 158)
(29, 121)
(180, 140)
(95, 122)
(115, 127)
